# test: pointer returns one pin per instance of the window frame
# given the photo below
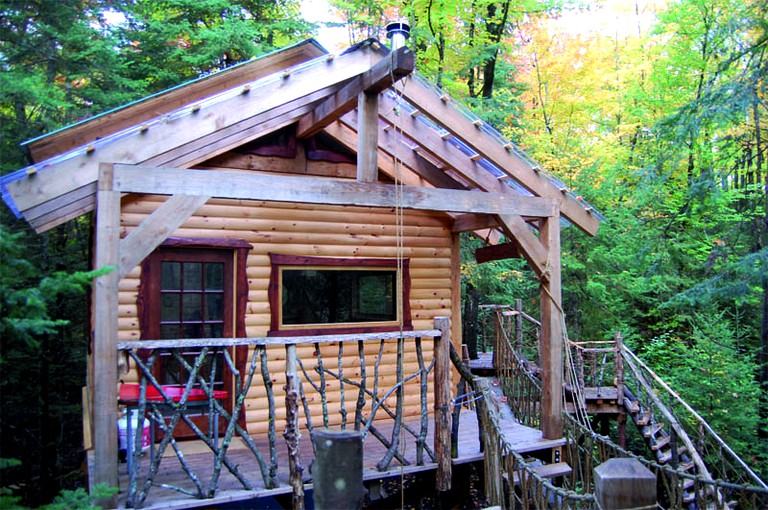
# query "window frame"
(279, 262)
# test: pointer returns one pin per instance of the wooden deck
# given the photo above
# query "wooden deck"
(199, 457)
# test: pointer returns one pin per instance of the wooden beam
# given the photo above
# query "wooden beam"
(530, 246)
(382, 75)
(345, 132)
(157, 227)
(250, 129)
(368, 137)
(497, 252)
(175, 181)
(105, 330)
(386, 162)
(441, 150)
(472, 222)
(552, 323)
(57, 179)
(480, 141)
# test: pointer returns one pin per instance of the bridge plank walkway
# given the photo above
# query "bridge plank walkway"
(199, 457)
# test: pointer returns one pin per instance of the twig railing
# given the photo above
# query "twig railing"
(328, 375)
(724, 480)
(517, 335)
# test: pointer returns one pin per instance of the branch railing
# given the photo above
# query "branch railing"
(350, 375)
(721, 477)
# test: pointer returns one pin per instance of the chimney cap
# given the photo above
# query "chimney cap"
(400, 28)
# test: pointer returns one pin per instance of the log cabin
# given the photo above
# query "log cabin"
(300, 195)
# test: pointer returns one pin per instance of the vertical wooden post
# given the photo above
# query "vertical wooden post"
(337, 470)
(291, 433)
(498, 335)
(618, 368)
(623, 483)
(443, 404)
(105, 330)
(551, 331)
(519, 325)
(368, 137)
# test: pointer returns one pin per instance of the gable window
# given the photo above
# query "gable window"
(314, 294)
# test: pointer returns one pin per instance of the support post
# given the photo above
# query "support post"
(368, 137)
(552, 321)
(105, 330)
(338, 469)
(443, 404)
(618, 369)
(623, 483)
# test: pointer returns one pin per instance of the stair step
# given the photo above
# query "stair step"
(643, 419)
(686, 466)
(651, 430)
(632, 406)
(665, 456)
(688, 483)
(548, 470)
(661, 443)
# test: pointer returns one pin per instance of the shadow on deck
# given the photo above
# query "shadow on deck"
(200, 459)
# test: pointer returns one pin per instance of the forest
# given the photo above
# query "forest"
(653, 110)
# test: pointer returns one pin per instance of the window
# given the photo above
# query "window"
(314, 294)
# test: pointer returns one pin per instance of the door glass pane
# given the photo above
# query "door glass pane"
(193, 275)
(171, 275)
(193, 308)
(214, 330)
(170, 307)
(170, 331)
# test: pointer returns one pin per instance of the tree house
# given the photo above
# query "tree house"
(301, 194)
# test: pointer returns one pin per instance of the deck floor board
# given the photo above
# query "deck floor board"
(200, 459)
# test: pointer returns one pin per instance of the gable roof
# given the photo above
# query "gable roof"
(438, 141)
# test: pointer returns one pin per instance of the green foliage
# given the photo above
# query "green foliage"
(24, 308)
(167, 42)
(714, 372)
(80, 499)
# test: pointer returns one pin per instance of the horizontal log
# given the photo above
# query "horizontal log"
(373, 217)
(296, 225)
(128, 285)
(430, 283)
(127, 310)
(430, 294)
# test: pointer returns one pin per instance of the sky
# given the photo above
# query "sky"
(320, 11)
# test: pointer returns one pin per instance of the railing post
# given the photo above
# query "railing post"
(291, 433)
(519, 326)
(442, 404)
(618, 370)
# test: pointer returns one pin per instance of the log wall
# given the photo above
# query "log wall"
(298, 229)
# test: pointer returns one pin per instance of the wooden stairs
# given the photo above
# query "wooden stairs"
(669, 450)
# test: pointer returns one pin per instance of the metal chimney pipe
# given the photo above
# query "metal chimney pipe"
(397, 33)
